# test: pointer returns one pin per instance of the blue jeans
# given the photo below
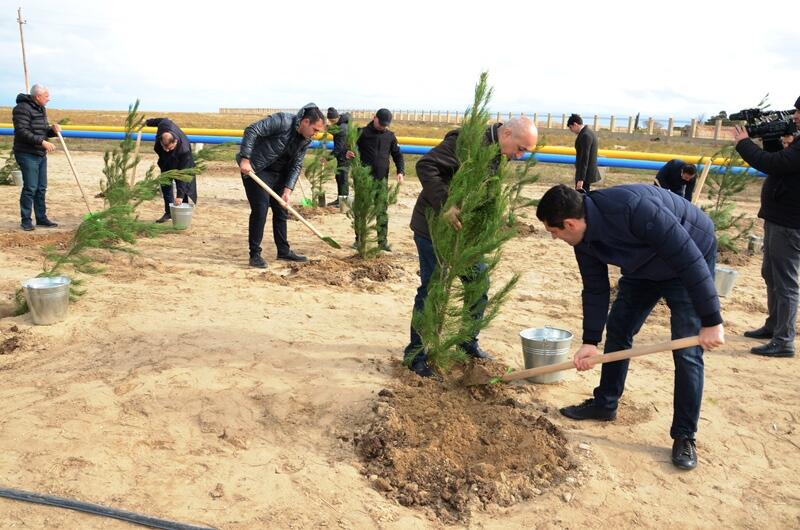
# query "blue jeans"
(34, 186)
(634, 302)
(427, 264)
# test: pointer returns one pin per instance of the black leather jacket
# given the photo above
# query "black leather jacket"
(265, 141)
(30, 126)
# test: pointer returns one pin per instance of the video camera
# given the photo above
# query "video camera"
(769, 125)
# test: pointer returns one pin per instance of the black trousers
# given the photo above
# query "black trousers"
(260, 201)
(342, 187)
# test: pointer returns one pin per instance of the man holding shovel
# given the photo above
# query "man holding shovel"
(666, 248)
(31, 147)
(174, 152)
(274, 148)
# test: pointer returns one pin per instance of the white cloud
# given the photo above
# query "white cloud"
(681, 58)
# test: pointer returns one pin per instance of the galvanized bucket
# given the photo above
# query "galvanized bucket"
(48, 298)
(16, 176)
(724, 279)
(181, 215)
(755, 244)
(545, 346)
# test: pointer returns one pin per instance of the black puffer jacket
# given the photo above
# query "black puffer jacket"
(339, 150)
(179, 158)
(30, 126)
(265, 141)
(780, 194)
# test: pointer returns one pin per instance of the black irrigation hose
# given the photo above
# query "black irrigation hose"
(96, 509)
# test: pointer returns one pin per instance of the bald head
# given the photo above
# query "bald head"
(517, 136)
(168, 141)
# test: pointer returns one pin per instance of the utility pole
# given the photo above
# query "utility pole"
(21, 21)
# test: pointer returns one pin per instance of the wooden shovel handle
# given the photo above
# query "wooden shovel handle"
(72, 167)
(636, 351)
(278, 198)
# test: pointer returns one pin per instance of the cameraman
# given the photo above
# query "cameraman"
(780, 209)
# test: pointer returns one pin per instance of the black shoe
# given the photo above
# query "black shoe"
(27, 226)
(760, 333)
(164, 218)
(291, 256)
(420, 367)
(258, 262)
(334, 203)
(47, 223)
(774, 349)
(684, 453)
(478, 353)
(386, 247)
(588, 411)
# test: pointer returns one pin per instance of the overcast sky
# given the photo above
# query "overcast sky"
(676, 58)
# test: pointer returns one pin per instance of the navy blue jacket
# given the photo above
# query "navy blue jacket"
(651, 234)
(179, 158)
(669, 177)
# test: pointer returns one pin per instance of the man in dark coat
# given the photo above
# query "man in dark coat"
(666, 248)
(174, 152)
(31, 132)
(780, 210)
(678, 177)
(274, 148)
(341, 124)
(375, 144)
(586, 172)
(435, 171)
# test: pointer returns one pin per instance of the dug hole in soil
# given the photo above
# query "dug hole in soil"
(449, 449)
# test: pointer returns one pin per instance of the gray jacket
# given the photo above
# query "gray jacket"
(265, 141)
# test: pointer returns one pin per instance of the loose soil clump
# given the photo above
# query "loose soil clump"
(348, 271)
(451, 449)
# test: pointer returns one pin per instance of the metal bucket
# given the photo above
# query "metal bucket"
(16, 176)
(181, 215)
(755, 244)
(48, 298)
(345, 203)
(724, 279)
(545, 346)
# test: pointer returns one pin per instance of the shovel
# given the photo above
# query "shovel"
(75, 173)
(597, 359)
(329, 240)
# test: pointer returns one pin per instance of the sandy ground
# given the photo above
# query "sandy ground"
(188, 386)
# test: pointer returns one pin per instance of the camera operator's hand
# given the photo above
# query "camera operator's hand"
(740, 133)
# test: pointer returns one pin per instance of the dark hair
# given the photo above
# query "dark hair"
(689, 169)
(558, 203)
(332, 113)
(574, 118)
(313, 114)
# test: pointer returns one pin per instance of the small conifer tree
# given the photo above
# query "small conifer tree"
(724, 183)
(319, 172)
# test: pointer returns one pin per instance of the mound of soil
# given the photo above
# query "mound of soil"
(735, 259)
(35, 238)
(347, 271)
(10, 340)
(525, 229)
(450, 449)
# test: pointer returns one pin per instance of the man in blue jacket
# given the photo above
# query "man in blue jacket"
(174, 152)
(665, 248)
(274, 148)
(780, 209)
(678, 177)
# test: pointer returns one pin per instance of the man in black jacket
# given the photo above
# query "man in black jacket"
(274, 148)
(780, 209)
(174, 152)
(375, 144)
(31, 132)
(435, 171)
(678, 177)
(666, 248)
(341, 123)
(586, 172)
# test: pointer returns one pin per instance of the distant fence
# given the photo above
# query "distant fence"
(651, 126)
